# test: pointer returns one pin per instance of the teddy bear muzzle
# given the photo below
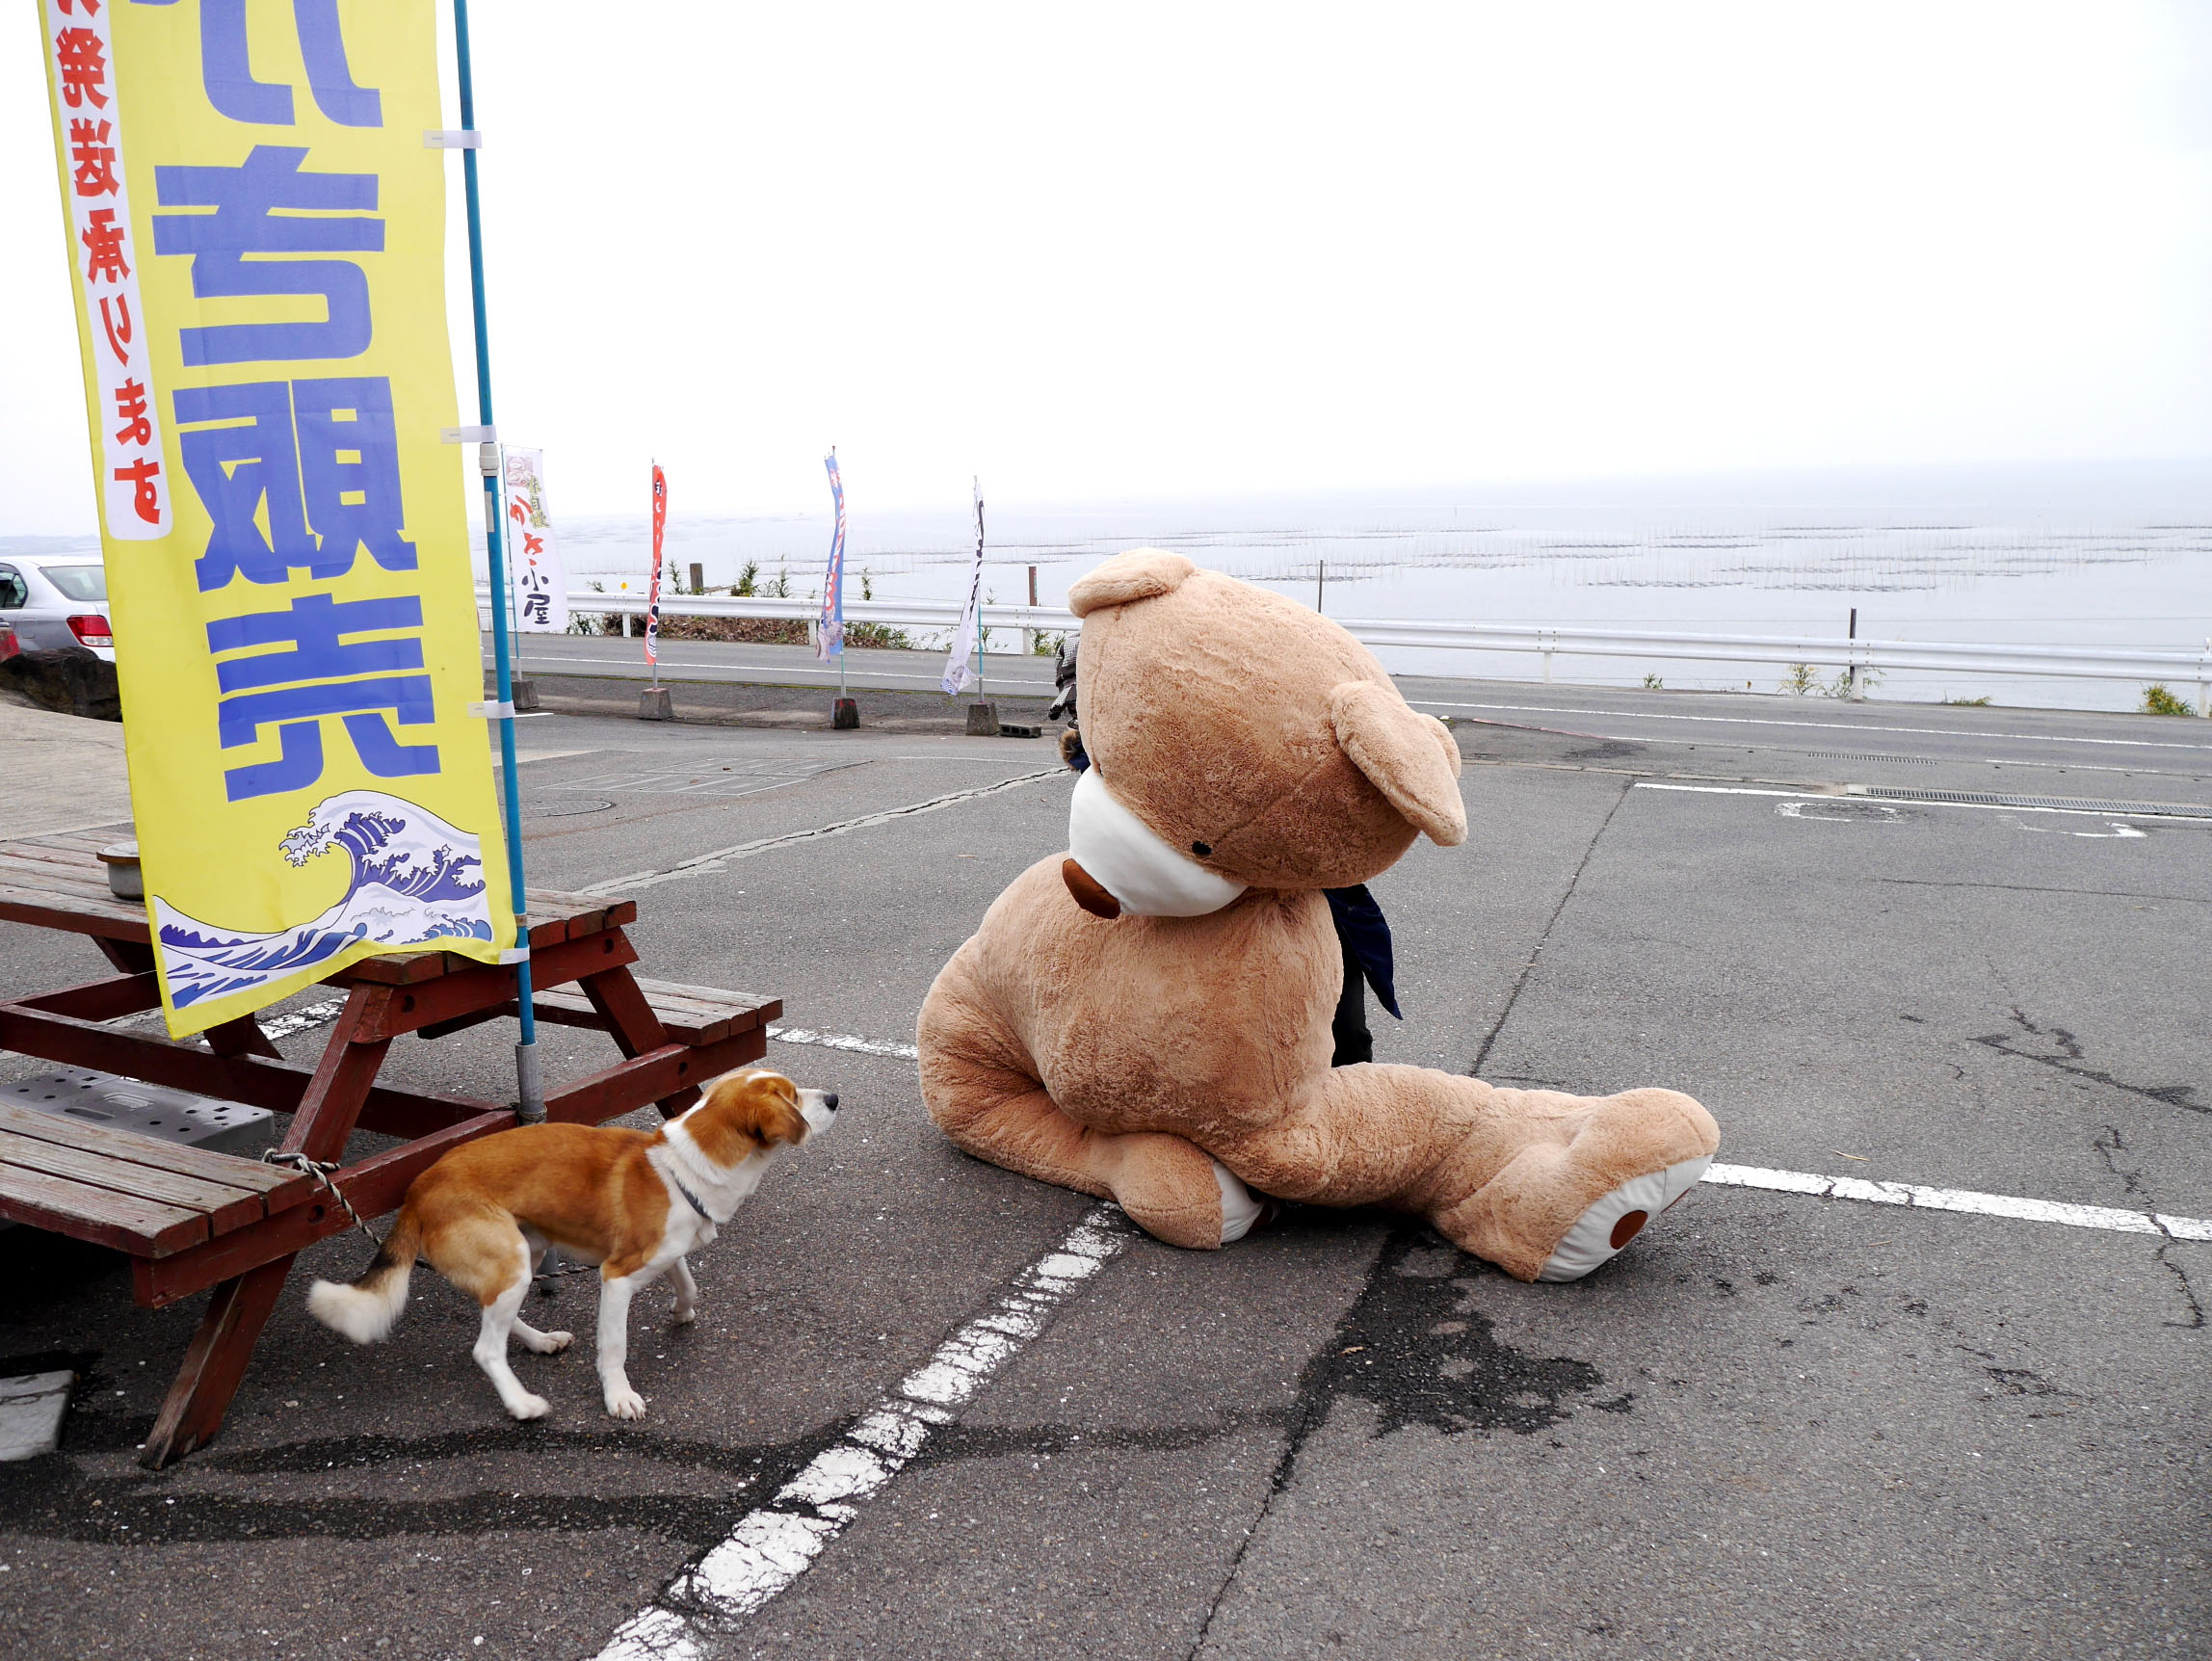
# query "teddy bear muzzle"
(1119, 867)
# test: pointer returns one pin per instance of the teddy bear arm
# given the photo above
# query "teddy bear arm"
(978, 1087)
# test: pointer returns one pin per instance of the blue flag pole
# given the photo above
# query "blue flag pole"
(532, 1108)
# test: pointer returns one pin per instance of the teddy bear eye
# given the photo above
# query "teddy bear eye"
(1201, 849)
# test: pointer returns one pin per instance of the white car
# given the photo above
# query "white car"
(57, 602)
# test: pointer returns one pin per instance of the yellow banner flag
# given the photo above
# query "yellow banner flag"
(257, 233)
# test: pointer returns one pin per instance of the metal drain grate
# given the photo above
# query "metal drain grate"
(2072, 804)
(1868, 755)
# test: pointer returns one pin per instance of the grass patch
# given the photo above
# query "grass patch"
(2158, 698)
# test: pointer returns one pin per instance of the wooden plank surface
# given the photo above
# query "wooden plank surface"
(144, 1227)
(613, 914)
(91, 841)
(70, 844)
(695, 1014)
(101, 1000)
(690, 1022)
(226, 1207)
(43, 909)
(225, 1167)
(715, 995)
(375, 1186)
(60, 858)
(48, 866)
(401, 969)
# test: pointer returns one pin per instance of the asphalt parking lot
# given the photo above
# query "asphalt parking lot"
(1875, 939)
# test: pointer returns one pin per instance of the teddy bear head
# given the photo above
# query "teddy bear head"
(1239, 740)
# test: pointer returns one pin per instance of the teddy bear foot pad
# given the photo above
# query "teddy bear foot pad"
(1602, 1230)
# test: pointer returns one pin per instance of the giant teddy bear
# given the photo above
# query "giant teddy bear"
(1147, 1017)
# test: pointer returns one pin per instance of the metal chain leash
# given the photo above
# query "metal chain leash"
(320, 1169)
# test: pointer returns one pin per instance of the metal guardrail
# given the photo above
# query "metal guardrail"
(917, 614)
(2091, 663)
(1952, 657)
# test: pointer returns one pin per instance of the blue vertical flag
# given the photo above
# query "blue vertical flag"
(830, 636)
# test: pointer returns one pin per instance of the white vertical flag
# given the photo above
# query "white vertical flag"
(830, 633)
(534, 556)
(959, 674)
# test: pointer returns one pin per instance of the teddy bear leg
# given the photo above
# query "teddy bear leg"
(995, 1111)
(1598, 1171)
(1543, 1184)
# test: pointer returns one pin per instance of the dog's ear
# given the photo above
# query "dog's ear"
(770, 1111)
(745, 1114)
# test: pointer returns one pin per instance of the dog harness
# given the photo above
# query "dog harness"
(690, 1196)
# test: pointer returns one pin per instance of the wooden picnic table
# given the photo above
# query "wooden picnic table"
(192, 1220)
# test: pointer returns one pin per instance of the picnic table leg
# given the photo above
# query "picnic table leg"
(636, 1029)
(237, 1308)
(132, 957)
(242, 1037)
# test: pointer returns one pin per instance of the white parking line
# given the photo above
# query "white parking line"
(843, 1040)
(1873, 1192)
(775, 1544)
(1809, 726)
(1870, 1191)
(705, 864)
(2118, 810)
(1876, 1193)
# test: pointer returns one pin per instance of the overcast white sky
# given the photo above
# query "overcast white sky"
(1147, 251)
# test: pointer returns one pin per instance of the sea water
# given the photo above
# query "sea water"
(2112, 554)
(2109, 554)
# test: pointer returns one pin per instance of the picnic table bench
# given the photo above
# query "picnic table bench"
(189, 1218)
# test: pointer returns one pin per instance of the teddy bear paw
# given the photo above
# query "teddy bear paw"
(1242, 1210)
(1616, 1219)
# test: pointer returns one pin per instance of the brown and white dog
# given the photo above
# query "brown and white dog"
(632, 1201)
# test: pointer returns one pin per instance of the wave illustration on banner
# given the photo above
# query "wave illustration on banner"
(415, 880)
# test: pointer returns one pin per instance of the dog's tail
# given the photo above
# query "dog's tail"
(366, 1310)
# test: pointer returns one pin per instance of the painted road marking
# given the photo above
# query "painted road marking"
(282, 1027)
(1810, 725)
(842, 1041)
(2116, 813)
(775, 1544)
(705, 864)
(1874, 1192)
(1877, 1192)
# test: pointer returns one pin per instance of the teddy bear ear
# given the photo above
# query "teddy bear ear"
(1410, 757)
(1136, 575)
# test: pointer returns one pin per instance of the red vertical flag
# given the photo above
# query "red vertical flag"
(654, 592)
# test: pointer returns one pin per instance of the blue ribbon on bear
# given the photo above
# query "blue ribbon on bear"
(1360, 925)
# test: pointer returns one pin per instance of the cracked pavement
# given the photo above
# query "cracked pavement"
(1776, 1425)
